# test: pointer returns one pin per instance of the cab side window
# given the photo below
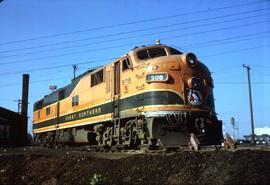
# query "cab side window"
(97, 78)
(75, 101)
(126, 64)
(48, 111)
(61, 94)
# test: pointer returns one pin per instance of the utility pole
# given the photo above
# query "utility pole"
(250, 102)
(235, 128)
(19, 104)
(25, 89)
(74, 71)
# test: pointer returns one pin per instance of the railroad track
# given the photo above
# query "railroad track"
(160, 150)
(117, 153)
(140, 150)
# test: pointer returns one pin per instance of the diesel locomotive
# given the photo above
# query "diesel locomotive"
(152, 96)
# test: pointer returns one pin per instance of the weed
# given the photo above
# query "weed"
(96, 180)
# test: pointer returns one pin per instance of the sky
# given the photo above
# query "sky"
(45, 38)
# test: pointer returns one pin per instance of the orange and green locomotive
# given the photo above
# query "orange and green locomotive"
(153, 95)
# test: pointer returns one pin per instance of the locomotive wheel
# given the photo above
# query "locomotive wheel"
(135, 142)
(108, 140)
(37, 140)
(162, 129)
(43, 141)
(49, 141)
(46, 141)
(131, 137)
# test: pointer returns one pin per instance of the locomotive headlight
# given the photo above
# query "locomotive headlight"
(196, 83)
(191, 59)
(157, 77)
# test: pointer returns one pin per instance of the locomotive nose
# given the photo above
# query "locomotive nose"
(197, 81)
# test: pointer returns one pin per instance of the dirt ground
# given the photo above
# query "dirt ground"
(40, 166)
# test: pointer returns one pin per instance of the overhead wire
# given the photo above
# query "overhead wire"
(196, 45)
(227, 68)
(234, 51)
(165, 38)
(217, 54)
(68, 77)
(90, 62)
(140, 30)
(262, 66)
(36, 81)
(133, 22)
(219, 75)
(80, 63)
(5, 99)
(228, 40)
(244, 83)
(224, 69)
(125, 38)
(54, 67)
(94, 61)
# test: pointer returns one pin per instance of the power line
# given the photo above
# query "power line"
(4, 99)
(45, 80)
(196, 45)
(131, 23)
(214, 30)
(53, 67)
(106, 59)
(88, 62)
(165, 38)
(235, 51)
(139, 30)
(227, 40)
(227, 69)
(68, 77)
(261, 66)
(244, 83)
(37, 81)
(232, 68)
(68, 47)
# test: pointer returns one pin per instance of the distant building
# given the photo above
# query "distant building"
(13, 128)
(262, 131)
(262, 136)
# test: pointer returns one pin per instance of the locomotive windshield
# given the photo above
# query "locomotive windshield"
(156, 52)
(151, 53)
(174, 51)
